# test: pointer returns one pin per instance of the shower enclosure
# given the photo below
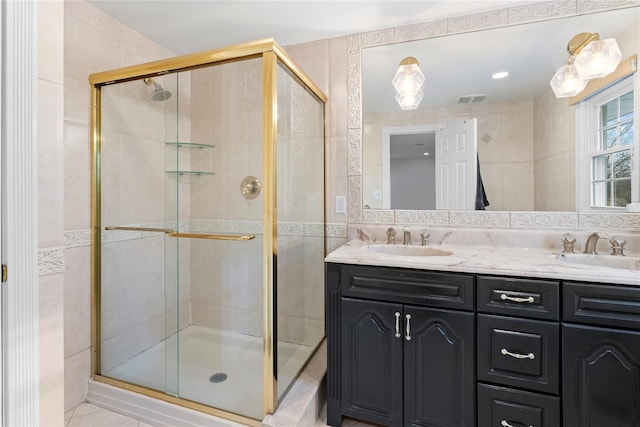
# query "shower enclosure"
(208, 211)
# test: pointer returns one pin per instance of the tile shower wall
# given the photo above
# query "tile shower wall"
(505, 149)
(94, 42)
(227, 275)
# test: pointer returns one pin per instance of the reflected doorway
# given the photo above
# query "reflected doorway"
(428, 167)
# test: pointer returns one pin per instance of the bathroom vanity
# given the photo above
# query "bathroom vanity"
(481, 337)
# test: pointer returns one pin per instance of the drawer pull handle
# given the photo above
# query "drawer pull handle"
(505, 423)
(505, 297)
(397, 325)
(408, 334)
(506, 352)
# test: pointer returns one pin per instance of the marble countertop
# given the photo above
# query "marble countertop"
(503, 261)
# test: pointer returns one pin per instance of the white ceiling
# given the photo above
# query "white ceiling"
(187, 26)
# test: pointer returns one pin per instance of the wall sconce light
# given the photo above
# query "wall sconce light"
(408, 83)
(589, 58)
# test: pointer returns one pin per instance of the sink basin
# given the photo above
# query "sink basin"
(624, 262)
(403, 250)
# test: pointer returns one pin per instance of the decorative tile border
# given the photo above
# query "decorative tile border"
(480, 21)
(77, 238)
(543, 221)
(485, 219)
(421, 31)
(50, 261)
(407, 217)
(336, 230)
(378, 216)
(547, 220)
(604, 221)
(539, 11)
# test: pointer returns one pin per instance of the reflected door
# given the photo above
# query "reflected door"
(456, 165)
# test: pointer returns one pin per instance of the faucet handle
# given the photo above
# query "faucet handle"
(391, 236)
(568, 243)
(617, 245)
(424, 239)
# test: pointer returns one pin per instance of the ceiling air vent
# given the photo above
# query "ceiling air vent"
(471, 99)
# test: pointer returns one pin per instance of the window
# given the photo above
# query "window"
(606, 132)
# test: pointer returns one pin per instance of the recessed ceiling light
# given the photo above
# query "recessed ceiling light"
(426, 154)
(500, 75)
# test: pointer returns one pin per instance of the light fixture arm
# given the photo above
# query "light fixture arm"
(578, 42)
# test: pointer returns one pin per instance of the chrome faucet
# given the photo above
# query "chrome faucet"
(592, 242)
(407, 236)
(391, 236)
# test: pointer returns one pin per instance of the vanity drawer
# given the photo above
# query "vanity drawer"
(536, 299)
(605, 305)
(520, 353)
(501, 406)
(443, 290)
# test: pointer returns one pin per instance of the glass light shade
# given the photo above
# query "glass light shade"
(598, 59)
(567, 82)
(409, 101)
(408, 82)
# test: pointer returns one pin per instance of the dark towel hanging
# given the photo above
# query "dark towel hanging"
(481, 197)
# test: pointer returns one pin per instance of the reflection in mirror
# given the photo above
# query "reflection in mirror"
(526, 138)
(427, 167)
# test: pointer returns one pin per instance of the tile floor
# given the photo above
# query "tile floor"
(88, 415)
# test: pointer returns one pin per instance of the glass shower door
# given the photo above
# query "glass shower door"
(300, 213)
(139, 274)
(220, 250)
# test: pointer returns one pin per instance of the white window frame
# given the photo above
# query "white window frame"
(587, 137)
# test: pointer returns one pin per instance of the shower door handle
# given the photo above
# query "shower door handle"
(236, 237)
(147, 229)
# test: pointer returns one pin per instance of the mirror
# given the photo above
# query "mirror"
(525, 136)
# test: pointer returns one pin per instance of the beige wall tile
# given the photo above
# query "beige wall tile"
(77, 371)
(92, 40)
(51, 41)
(517, 186)
(51, 349)
(50, 165)
(77, 300)
(77, 181)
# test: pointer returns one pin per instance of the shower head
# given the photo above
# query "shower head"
(159, 93)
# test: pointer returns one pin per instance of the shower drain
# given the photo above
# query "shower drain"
(218, 378)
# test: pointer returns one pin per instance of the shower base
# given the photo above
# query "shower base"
(217, 368)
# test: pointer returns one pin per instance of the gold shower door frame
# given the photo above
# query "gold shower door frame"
(272, 55)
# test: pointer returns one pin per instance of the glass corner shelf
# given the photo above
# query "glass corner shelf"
(189, 173)
(180, 144)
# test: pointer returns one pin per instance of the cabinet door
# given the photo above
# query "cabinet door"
(372, 361)
(601, 377)
(439, 368)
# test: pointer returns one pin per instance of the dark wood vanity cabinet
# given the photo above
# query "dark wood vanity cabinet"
(420, 348)
(396, 360)
(518, 352)
(601, 365)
